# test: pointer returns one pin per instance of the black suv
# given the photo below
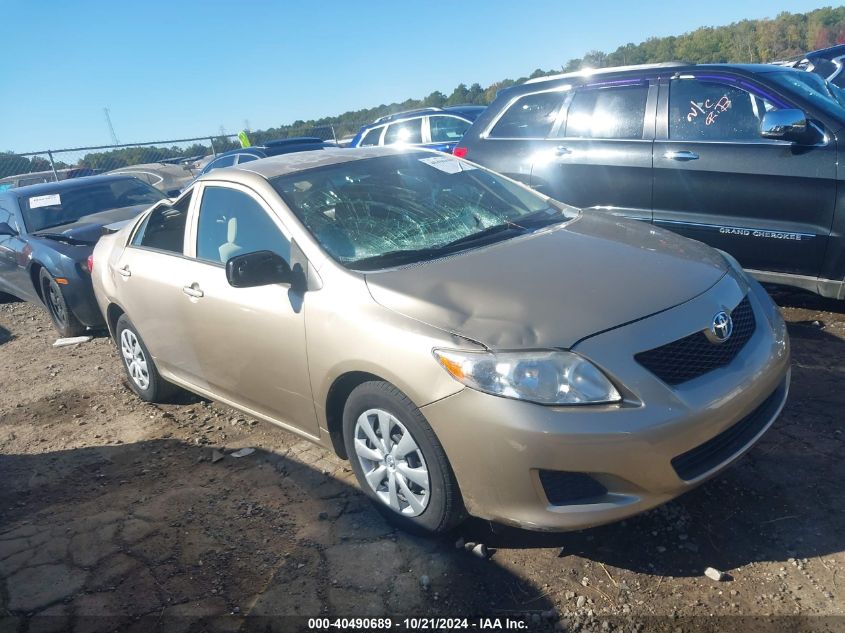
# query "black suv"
(742, 157)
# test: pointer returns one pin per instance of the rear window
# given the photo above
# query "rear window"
(531, 116)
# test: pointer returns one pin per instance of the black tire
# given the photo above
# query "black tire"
(444, 509)
(64, 320)
(151, 386)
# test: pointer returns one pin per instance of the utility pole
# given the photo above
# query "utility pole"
(111, 127)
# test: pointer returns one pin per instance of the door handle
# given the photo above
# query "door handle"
(193, 291)
(682, 155)
(124, 272)
(560, 150)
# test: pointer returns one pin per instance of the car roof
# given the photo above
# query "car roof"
(678, 67)
(64, 185)
(830, 52)
(466, 109)
(285, 164)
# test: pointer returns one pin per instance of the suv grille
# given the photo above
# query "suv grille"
(732, 440)
(694, 355)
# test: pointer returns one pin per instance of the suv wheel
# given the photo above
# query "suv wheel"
(144, 378)
(65, 321)
(398, 460)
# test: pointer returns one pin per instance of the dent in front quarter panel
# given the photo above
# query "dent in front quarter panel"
(346, 331)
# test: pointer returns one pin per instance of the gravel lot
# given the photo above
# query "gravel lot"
(115, 514)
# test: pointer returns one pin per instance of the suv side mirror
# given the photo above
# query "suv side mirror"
(785, 125)
(5, 229)
(261, 268)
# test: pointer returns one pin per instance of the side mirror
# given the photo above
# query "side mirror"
(261, 268)
(172, 193)
(785, 125)
(5, 229)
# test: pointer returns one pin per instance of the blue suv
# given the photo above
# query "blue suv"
(434, 128)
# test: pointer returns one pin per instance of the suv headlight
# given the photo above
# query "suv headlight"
(544, 377)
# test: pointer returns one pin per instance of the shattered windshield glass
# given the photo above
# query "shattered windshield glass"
(402, 208)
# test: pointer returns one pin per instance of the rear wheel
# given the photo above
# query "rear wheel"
(144, 378)
(399, 461)
(65, 321)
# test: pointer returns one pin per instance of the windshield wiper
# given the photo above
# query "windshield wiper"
(61, 237)
(483, 234)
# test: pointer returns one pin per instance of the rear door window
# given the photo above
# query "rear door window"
(531, 116)
(714, 111)
(607, 113)
(404, 132)
(372, 137)
(164, 228)
(447, 129)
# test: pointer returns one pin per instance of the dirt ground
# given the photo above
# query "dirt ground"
(114, 516)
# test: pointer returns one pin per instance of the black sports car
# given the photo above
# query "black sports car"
(47, 232)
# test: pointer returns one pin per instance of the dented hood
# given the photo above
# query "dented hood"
(554, 287)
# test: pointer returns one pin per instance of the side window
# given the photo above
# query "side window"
(714, 111)
(447, 129)
(611, 113)
(7, 216)
(225, 161)
(245, 158)
(164, 228)
(233, 223)
(531, 116)
(372, 137)
(404, 132)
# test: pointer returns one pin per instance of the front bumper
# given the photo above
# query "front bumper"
(498, 447)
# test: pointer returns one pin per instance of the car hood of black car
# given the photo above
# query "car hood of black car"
(88, 229)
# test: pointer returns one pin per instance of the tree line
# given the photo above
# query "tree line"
(787, 36)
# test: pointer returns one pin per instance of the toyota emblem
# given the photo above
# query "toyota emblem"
(722, 327)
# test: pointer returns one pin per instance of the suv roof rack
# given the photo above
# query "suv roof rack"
(602, 71)
(386, 117)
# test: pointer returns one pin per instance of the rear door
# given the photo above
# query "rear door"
(768, 203)
(148, 274)
(599, 153)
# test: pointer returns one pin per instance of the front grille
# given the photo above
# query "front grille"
(721, 448)
(563, 488)
(694, 355)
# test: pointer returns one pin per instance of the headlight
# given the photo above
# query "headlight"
(544, 377)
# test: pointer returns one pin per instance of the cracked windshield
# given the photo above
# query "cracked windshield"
(411, 207)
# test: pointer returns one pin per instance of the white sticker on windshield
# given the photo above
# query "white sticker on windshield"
(49, 200)
(447, 164)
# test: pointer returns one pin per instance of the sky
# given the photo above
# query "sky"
(183, 68)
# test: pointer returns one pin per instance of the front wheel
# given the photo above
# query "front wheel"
(65, 321)
(399, 461)
(144, 378)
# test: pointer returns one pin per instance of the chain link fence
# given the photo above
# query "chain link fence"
(168, 165)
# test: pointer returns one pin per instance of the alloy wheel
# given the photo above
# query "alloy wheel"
(392, 462)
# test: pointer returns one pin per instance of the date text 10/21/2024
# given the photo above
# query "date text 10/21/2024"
(416, 624)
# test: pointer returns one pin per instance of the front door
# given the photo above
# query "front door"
(768, 203)
(599, 155)
(249, 343)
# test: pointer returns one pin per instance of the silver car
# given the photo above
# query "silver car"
(469, 345)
